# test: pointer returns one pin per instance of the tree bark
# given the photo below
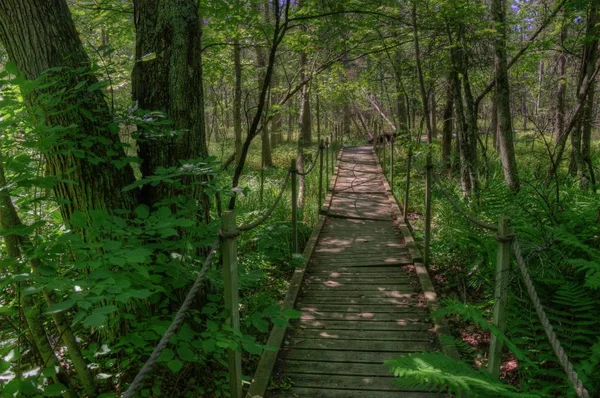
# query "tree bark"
(84, 143)
(505, 127)
(424, 101)
(448, 126)
(237, 99)
(170, 82)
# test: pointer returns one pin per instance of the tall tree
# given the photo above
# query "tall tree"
(505, 127)
(84, 144)
(167, 77)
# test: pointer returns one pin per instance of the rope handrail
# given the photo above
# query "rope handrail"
(460, 210)
(560, 353)
(256, 223)
(312, 166)
(539, 309)
(138, 381)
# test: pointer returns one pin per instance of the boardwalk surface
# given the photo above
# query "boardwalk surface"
(360, 299)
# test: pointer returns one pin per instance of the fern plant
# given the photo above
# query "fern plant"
(437, 372)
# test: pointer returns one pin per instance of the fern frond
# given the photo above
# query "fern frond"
(436, 371)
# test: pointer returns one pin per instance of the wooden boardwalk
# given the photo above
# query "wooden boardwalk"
(360, 296)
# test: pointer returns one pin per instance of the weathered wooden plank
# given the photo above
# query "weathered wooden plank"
(358, 345)
(358, 271)
(396, 293)
(366, 316)
(340, 356)
(373, 335)
(400, 325)
(365, 383)
(357, 308)
(372, 288)
(300, 392)
(409, 300)
(336, 368)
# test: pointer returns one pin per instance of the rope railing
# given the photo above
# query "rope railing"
(138, 381)
(311, 168)
(539, 309)
(507, 240)
(228, 242)
(264, 217)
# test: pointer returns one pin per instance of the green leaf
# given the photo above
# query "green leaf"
(94, 320)
(104, 310)
(175, 365)
(59, 307)
(291, 314)
(166, 356)
(185, 353)
(142, 212)
(54, 390)
(11, 68)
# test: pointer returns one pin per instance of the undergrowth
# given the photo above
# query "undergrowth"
(557, 227)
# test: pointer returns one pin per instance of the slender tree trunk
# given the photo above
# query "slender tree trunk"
(448, 126)
(171, 82)
(581, 163)
(505, 127)
(305, 113)
(433, 115)
(424, 101)
(40, 35)
(9, 220)
(237, 99)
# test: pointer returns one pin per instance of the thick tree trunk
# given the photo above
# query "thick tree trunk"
(505, 127)
(84, 143)
(171, 82)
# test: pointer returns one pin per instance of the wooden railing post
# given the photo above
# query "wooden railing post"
(428, 178)
(392, 165)
(332, 156)
(321, 154)
(230, 276)
(504, 237)
(294, 171)
(383, 163)
(327, 162)
(407, 188)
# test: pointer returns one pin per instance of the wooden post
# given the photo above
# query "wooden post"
(327, 162)
(230, 276)
(332, 155)
(294, 172)
(428, 177)
(383, 164)
(392, 166)
(407, 189)
(321, 154)
(504, 238)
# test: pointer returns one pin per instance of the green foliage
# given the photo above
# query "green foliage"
(438, 372)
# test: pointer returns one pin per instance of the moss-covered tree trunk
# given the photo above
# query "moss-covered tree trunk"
(83, 149)
(167, 77)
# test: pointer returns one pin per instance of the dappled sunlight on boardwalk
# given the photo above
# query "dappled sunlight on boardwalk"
(360, 304)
